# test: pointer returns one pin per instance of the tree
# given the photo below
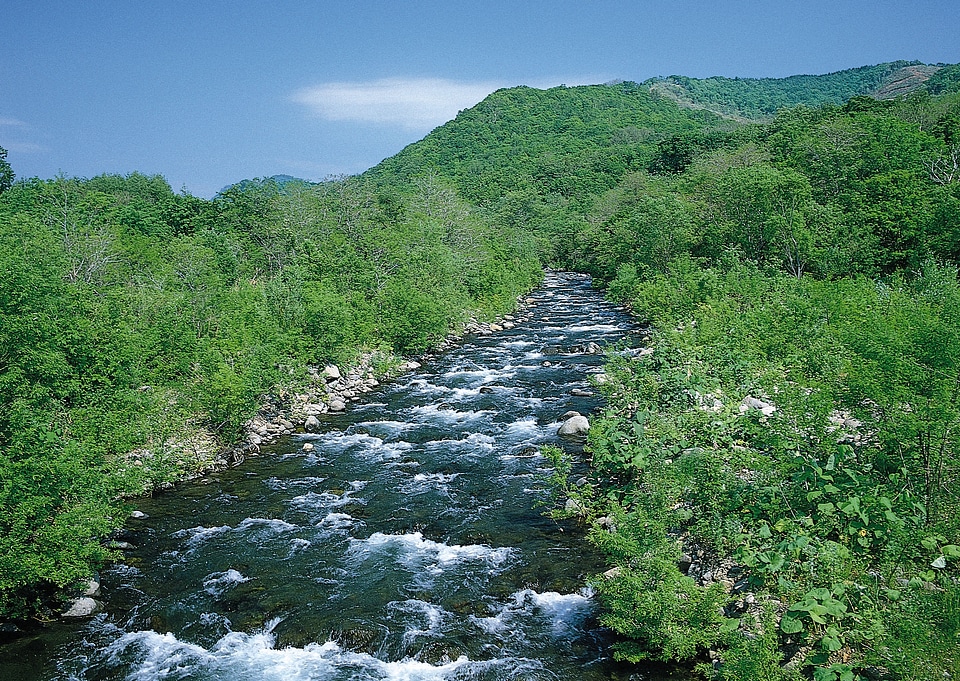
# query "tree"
(6, 172)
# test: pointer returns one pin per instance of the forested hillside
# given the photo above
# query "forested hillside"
(761, 98)
(775, 478)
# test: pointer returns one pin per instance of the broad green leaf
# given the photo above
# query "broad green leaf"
(729, 624)
(790, 625)
(834, 607)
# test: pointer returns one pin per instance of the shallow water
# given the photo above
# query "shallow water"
(410, 544)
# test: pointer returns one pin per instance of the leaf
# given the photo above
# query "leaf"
(817, 612)
(827, 508)
(831, 643)
(790, 625)
(776, 562)
(823, 674)
(764, 531)
(951, 551)
(834, 607)
(892, 594)
(729, 624)
(819, 593)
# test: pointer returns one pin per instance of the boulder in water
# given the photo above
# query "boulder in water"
(83, 607)
(337, 405)
(574, 425)
(312, 424)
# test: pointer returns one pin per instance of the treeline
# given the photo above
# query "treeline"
(138, 321)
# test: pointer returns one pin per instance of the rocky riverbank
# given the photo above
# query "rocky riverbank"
(332, 388)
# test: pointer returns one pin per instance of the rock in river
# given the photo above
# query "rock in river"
(83, 607)
(574, 425)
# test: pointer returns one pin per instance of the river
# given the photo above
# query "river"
(411, 543)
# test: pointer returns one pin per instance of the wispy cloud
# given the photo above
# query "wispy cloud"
(23, 147)
(412, 103)
(12, 122)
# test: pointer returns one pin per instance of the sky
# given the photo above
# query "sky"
(207, 93)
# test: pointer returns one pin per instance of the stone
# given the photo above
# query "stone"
(139, 515)
(337, 405)
(307, 447)
(331, 372)
(580, 392)
(486, 390)
(612, 573)
(311, 424)
(575, 425)
(592, 348)
(749, 403)
(83, 607)
(574, 506)
(122, 545)
(508, 325)
(92, 590)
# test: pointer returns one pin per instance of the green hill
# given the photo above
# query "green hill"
(567, 141)
(760, 98)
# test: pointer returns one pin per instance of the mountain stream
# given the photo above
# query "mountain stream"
(411, 543)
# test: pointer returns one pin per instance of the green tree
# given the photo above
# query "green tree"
(6, 172)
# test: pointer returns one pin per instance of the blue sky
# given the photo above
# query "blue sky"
(207, 93)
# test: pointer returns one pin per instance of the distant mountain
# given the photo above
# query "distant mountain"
(759, 98)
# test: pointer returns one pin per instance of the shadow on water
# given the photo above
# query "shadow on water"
(409, 544)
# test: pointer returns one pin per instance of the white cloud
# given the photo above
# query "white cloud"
(23, 147)
(13, 122)
(413, 103)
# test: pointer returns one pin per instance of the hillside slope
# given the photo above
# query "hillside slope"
(567, 141)
(760, 98)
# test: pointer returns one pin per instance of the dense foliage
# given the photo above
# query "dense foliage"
(139, 329)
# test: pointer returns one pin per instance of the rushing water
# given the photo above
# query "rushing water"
(410, 544)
